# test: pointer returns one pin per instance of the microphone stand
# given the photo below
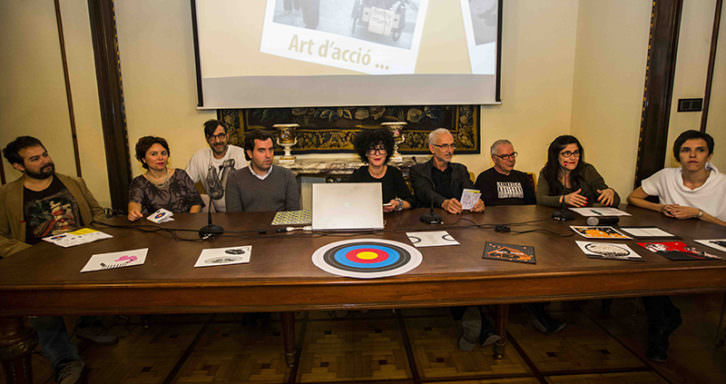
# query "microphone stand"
(431, 217)
(216, 191)
(563, 214)
(210, 230)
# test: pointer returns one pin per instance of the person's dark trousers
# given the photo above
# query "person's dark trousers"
(54, 340)
(663, 319)
(542, 321)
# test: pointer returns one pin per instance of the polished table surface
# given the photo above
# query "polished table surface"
(45, 279)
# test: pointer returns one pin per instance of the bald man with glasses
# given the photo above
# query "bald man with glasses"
(501, 184)
(439, 182)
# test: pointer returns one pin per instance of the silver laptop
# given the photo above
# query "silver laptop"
(347, 206)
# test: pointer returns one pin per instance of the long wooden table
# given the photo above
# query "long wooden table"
(46, 279)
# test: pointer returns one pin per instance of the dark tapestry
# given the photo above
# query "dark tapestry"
(331, 129)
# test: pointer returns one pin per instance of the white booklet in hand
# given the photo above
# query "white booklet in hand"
(114, 260)
(469, 197)
(161, 216)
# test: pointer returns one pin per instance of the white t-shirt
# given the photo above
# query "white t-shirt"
(201, 161)
(667, 184)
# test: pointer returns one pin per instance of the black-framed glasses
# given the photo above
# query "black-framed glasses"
(220, 136)
(377, 150)
(443, 146)
(570, 154)
(510, 156)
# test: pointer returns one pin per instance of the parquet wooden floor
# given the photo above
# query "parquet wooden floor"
(433, 340)
(353, 350)
(404, 346)
(582, 346)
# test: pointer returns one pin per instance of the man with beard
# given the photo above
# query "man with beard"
(38, 204)
(220, 155)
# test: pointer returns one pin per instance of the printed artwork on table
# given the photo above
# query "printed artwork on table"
(677, 251)
(367, 258)
(301, 217)
(611, 251)
(431, 238)
(212, 257)
(509, 252)
(598, 232)
(115, 260)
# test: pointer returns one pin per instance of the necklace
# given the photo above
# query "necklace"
(377, 174)
(155, 180)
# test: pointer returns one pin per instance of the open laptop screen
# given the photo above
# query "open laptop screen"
(347, 206)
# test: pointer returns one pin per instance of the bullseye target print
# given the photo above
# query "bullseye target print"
(367, 258)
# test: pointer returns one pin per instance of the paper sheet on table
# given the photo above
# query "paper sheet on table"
(78, 237)
(600, 211)
(213, 257)
(115, 260)
(646, 232)
(719, 244)
(469, 197)
(603, 250)
(431, 239)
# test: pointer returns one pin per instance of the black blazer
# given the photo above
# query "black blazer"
(423, 183)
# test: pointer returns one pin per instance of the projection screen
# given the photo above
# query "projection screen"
(296, 53)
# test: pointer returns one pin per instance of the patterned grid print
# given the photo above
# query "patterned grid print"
(301, 217)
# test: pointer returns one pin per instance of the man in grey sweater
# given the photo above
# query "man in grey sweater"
(261, 187)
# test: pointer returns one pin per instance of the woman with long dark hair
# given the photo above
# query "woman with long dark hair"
(567, 179)
(375, 146)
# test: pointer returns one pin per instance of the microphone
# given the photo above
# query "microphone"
(603, 220)
(431, 217)
(563, 214)
(215, 190)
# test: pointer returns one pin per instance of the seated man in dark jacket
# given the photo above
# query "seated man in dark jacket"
(439, 181)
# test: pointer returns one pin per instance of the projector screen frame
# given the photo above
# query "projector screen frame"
(418, 101)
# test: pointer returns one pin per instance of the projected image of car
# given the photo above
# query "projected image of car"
(387, 22)
(381, 17)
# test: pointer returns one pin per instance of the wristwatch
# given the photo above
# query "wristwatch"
(399, 206)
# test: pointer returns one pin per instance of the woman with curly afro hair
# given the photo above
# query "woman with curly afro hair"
(375, 146)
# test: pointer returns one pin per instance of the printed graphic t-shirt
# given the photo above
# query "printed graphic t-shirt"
(499, 189)
(49, 212)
